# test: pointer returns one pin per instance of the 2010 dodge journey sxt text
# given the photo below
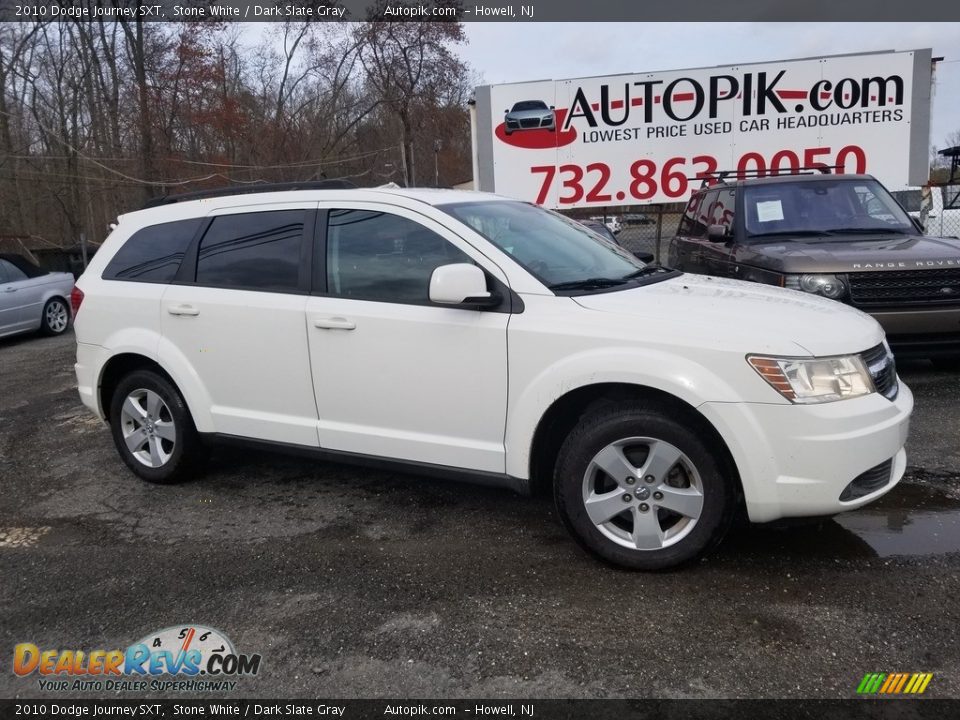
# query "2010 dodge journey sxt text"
(464, 334)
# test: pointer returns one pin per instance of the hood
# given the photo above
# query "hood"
(851, 253)
(742, 316)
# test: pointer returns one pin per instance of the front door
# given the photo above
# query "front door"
(395, 375)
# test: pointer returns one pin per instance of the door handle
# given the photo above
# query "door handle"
(182, 310)
(334, 323)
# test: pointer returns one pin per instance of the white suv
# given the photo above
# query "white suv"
(469, 336)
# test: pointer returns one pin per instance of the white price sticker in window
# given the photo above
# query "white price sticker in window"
(769, 210)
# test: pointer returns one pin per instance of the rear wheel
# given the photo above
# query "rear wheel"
(153, 430)
(638, 488)
(56, 317)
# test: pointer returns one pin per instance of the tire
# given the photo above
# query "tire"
(154, 432)
(641, 442)
(56, 317)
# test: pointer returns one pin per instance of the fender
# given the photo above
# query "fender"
(191, 386)
(153, 346)
(692, 382)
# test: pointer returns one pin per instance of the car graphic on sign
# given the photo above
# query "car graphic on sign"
(529, 115)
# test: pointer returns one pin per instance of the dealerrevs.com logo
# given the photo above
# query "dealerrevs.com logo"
(183, 658)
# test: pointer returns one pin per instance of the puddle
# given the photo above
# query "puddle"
(909, 520)
(912, 520)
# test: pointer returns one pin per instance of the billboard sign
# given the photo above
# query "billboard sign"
(648, 138)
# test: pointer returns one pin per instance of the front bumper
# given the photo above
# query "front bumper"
(921, 331)
(796, 460)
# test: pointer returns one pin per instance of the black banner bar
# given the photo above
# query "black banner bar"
(859, 11)
(872, 709)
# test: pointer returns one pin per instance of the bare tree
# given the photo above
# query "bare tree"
(406, 61)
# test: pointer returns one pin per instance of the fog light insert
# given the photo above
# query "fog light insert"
(868, 482)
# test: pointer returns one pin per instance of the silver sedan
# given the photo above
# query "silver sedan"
(32, 298)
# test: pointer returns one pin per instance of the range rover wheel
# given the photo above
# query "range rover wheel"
(639, 488)
(56, 317)
(152, 428)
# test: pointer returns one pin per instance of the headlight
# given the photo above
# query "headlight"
(830, 286)
(815, 380)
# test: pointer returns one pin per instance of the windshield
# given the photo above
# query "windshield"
(529, 105)
(555, 250)
(831, 205)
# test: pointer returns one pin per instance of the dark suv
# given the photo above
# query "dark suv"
(840, 236)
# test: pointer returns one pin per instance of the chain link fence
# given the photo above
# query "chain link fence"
(937, 207)
(644, 229)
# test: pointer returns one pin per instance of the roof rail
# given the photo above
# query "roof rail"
(720, 176)
(338, 184)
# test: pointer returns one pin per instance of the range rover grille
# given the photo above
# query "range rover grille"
(940, 286)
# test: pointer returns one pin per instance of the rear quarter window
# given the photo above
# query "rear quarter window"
(153, 254)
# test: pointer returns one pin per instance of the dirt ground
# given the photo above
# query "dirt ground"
(358, 583)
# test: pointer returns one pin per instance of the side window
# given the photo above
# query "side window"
(379, 256)
(153, 254)
(688, 221)
(723, 212)
(705, 214)
(252, 251)
(10, 272)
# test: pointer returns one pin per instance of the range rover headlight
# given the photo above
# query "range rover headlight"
(815, 380)
(829, 286)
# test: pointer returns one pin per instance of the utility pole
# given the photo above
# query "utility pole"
(436, 161)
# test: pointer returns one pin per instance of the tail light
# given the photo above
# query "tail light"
(76, 297)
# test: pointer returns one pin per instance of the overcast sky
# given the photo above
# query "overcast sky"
(512, 52)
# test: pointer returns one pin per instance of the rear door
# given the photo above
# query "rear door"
(14, 298)
(236, 314)
(395, 375)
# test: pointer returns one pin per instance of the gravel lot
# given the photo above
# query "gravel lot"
(355, 583)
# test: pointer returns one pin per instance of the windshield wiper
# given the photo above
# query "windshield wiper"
(588, 284)
(648, 270)
(865, 231)
(803, 233)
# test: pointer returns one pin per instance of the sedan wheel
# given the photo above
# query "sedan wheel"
(56, 317)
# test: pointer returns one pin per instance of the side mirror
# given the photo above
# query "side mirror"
(461, 284)
(505, 112)
(552, 107)
(717, 233)
(644, 257)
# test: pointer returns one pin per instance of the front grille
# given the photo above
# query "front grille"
(883, 370)
(867, 482)
(940, 286)
(532, 123)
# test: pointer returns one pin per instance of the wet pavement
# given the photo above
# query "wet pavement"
(357, 583)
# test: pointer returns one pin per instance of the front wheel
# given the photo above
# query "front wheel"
(153, 430)
(637, 487)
